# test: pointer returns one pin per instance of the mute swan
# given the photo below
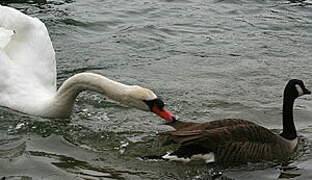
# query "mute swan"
(28, 74)
(236, 140)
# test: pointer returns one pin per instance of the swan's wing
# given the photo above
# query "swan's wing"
(29, 47)
(5, 37)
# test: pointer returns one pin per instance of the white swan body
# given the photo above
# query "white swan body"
(28, 73)
(27, 63)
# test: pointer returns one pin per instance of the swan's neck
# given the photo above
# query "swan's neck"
(63, 102)
(289, 129)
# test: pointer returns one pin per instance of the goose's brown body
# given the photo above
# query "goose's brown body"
(236, 140)
(229, 139)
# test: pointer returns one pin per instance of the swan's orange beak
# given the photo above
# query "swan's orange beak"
(163, 113)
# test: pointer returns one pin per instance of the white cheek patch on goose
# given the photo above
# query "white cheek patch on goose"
(299, 90)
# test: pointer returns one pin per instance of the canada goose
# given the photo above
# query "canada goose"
(236, 140)
(28, 74)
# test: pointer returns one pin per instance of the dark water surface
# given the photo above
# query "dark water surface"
(208, 59)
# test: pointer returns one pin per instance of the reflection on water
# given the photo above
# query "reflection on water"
(77, 167)
(207, 59)
(12, 147)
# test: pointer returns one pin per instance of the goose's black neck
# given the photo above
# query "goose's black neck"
(289, 129)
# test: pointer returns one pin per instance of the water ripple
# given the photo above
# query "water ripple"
(208, 59)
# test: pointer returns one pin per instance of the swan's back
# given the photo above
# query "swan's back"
(27, 60)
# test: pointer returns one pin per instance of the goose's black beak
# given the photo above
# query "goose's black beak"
(306, 91)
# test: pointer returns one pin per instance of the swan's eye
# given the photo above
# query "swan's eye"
(159, 103)
(155, 102)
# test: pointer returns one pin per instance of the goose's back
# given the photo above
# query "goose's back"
(269, 147)
(235, 142)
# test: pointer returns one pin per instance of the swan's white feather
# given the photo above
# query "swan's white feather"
(28, 72)
(27, 62)
(30, 47)
(5, 37)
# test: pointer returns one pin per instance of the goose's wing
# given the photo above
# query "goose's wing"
(185, 126)
(220, 136)
(226, 122)
(244, 142)
(26, 43)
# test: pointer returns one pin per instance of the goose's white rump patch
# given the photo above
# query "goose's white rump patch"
(208, 158)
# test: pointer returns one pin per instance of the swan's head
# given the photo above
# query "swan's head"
(295, 88)
(146, 100)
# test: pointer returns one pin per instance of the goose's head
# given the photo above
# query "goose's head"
(295, 88)
(146, 100)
